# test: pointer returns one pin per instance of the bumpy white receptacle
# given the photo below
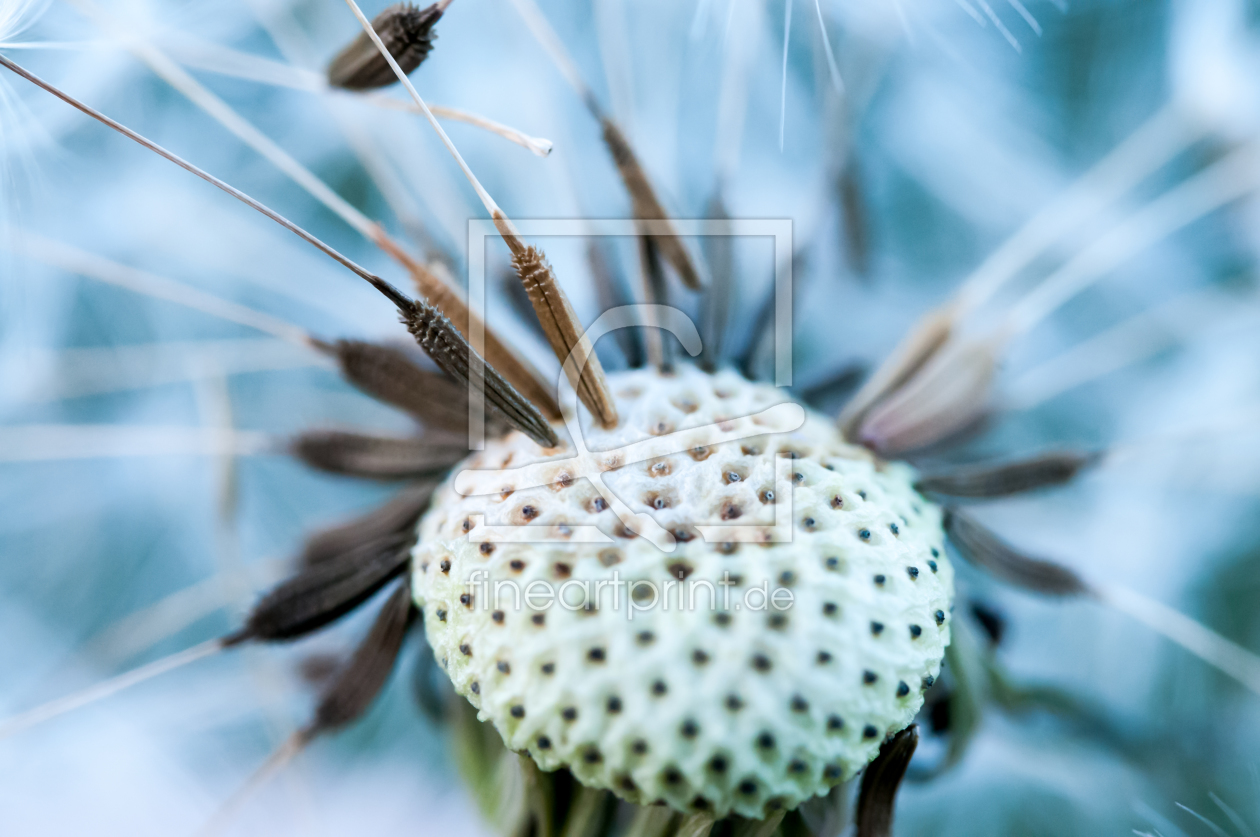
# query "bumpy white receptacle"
(733, 706)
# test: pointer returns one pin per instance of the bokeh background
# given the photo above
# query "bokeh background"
(141, 508)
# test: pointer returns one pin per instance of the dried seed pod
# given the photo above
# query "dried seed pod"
(792, 702)
(374, 457)
(565, 332)
(985, 549)
(450, 351)
(406, 31)
(1001, 479)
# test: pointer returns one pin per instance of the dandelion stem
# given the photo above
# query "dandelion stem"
(832, 67)
(787, 38)
(221, 112)
(554, 47)
(1217, 185)
(1198, 639)
(169, 615)
(999, 25)
(388, 290)
(1023, 12)
(1235, 422)
(105, 689)
(732, 106)
(47, 442)
(1129, 342)
(972, 12)
(1157, 141)
(277, 760)
(58, 374)
(73, 260)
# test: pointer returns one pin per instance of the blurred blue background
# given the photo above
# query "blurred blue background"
(957, 122)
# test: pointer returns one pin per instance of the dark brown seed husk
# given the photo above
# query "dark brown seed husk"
(451, 352)
(406, 31)
(323, 593)
(878, 796)
(388, 375)
(447, 300)
(1001, 479)
(986, 550)
(355, 686)
(375, 457)
(395, 517)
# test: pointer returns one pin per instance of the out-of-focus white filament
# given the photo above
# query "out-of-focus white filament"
(105, 689)
(1198, 639)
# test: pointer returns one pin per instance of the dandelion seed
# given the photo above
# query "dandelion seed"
(406, 31)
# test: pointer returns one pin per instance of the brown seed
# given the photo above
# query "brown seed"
(987, 550)
(374, 457)
(996, 480)
(646, 206)
(565, 333)
(452, 352)
(407, 33)
(880, 781)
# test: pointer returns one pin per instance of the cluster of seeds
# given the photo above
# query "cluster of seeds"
(737, 676)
